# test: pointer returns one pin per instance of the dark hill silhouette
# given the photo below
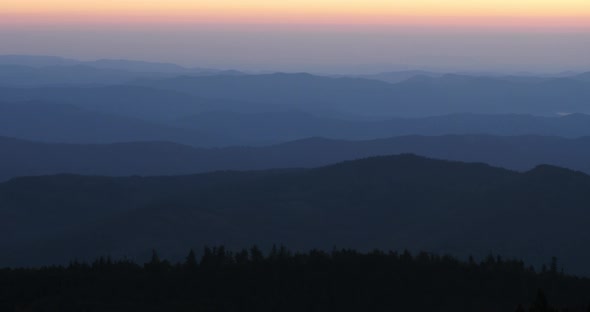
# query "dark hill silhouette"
(160, 158)
(396, 202)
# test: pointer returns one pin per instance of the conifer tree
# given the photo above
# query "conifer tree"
(191, 261)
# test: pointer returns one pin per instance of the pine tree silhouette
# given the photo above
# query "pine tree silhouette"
(553, 266)
(191, 261)
(541, 304)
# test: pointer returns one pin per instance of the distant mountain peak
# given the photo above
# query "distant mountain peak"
(545, 170)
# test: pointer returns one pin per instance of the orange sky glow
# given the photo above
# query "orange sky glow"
(460, 13)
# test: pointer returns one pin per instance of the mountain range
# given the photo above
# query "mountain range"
(27, 71)
(416, 97)
(414, 93)
(276, 127)
(392, 202)
(119, 157)
(44, 61)
(64, 123)
(118, 114)
(25, 158)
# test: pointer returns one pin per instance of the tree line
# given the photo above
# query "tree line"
(281, 280)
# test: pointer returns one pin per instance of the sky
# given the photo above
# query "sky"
(308, 35)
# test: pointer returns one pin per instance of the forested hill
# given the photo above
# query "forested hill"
(390, 202)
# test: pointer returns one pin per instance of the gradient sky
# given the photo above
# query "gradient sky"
(320, 35)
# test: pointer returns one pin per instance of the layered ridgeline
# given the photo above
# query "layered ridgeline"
(27, 71)
(209, 108)
(25, 158)
(66, 123)
(123, 114)
(279, 127)
(412, 93)
(416, 97)
(392, 202)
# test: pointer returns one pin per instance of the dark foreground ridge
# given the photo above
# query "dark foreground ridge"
(390, 202)
(341, 280)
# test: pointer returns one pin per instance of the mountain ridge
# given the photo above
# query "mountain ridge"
(59, 122)
(471, 208)
(520, 153)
